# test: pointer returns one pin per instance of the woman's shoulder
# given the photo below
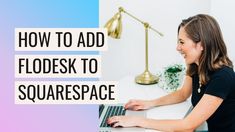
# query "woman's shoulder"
(225, 72)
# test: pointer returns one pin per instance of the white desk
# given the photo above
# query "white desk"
(128, 89)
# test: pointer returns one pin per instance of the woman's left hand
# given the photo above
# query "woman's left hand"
(124, 121)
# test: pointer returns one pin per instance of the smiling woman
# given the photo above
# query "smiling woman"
(187, 47)
(210, 80)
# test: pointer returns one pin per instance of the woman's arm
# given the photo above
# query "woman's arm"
(202, 111)
(176, 97)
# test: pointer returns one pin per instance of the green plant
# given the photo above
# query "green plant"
(172, 76)
(174, 68)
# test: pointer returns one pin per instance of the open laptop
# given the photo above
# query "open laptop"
(106, 111)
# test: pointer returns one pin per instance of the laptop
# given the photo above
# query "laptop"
(106, 111)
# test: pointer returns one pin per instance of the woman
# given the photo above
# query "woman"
(210, 80)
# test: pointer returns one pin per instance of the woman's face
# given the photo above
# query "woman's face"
(190, 50)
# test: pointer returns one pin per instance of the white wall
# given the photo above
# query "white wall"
(223, 11)
(126, 55)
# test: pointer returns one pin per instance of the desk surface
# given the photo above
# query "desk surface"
(128, 89)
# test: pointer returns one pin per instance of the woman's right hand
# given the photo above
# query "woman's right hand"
(139, 105)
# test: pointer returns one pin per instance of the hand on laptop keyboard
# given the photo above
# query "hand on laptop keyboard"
(139, 105)
(112, 111)
(124, 121)
(115, 124)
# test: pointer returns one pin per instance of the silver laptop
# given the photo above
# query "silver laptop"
(106, 111)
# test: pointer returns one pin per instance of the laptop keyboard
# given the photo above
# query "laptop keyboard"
(112, 111)
(101, 108)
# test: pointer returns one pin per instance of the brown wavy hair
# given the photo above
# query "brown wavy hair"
(205, 29)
